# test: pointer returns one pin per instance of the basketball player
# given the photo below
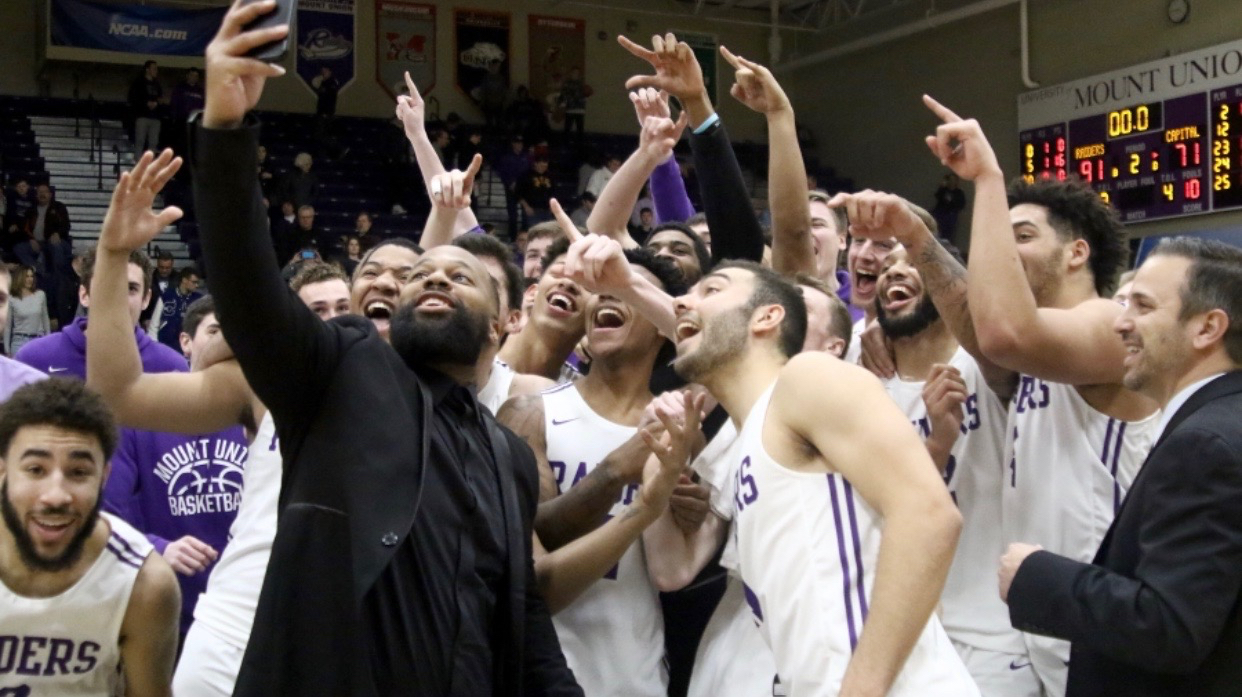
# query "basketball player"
(379, 278)
(612, 636)
(1077, 435)
(810, 499)
(87, 605)
(555, 323)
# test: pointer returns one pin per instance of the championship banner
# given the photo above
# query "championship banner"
(481, 39)
(405, 39)
(325, 36)
(706, 50)
(557, 45)
(152, 31)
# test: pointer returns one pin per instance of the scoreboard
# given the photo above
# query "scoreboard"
(1158, 140)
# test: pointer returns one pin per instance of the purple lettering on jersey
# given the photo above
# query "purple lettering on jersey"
(580, 474)
(627, 494)
(558, 472)
(949, 468)
(8, 652)
(59, 655)
(862, 587)
(87, 657)
(1026, 394)
(923, 426)
(971, 422)
(19, 691)
(30, 647)
(746, 492)
(1013, 461)
(753, 601)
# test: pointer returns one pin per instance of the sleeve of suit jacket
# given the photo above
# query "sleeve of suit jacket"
(286, 353)
(1170, 615)
(736, 233)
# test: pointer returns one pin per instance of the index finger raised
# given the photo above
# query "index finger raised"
(640, 51)
(409, 84)
(945, 113)
(567, 225)
(732, 59)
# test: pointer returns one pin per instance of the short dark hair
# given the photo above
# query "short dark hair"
(148, 64)
(389, 242)
(773, 289)
(700, 249)
(186, 272)
(164, 255)
(539, 231)
(665, 271)
(1076, 211)
(1213, 282)
(137, 258)
(196, 313)
(316, 271)
(840, 323)
(60, 402)
(558, 248)
(587, 196)
(488, 247)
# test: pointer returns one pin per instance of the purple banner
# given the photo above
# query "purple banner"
(325, 34)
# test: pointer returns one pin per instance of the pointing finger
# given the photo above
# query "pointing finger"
(639, 51)
(945, 113)
(567, 225)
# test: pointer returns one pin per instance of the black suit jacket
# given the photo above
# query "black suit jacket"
(1159, 609)
(352, 419)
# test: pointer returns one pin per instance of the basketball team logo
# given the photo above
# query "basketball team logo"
(203, 476)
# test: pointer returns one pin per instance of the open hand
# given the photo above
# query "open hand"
(130, 222)
(672, 450)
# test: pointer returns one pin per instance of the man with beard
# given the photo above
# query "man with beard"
(961, 418)
(613, 636)
(884, 534)
(1078, 434)
(402, 564)
(1157, 611)
(88, 605)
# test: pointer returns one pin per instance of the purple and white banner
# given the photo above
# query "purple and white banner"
(325, 36)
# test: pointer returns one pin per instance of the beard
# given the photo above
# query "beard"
(719, 343)
(920, 318)
(455, 339)
(26, 546)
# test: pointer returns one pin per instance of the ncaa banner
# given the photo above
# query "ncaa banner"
(557, 45)
(482, 41)
(325, 36)
(405, 39)
(155, 31)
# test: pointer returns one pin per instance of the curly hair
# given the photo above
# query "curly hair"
(60, 402)
(1076, 212)
(665, 271)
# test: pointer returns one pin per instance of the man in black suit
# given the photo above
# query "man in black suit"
(402, 561)
(1159, 609)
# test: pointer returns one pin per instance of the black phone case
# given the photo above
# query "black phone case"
(275, 51)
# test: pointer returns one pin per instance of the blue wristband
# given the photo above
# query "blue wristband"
(708, 123)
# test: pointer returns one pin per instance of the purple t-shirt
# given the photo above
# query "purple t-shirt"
(843, 292)
(63, 353)
(169, 485)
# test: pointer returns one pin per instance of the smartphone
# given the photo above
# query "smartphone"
(275, 51)
(308, 254)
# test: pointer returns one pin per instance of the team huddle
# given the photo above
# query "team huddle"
(465, 478)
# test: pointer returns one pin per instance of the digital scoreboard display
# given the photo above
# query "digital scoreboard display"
(1157, 141)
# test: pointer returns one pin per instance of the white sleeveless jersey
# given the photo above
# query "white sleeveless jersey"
(807, 549)
(496, 391)
(613, 634)
(69, 644)
(228, 605)
(1068, 467)
(853, 354)
(971, 609)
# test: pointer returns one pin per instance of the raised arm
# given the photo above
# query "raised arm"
(657, 137)
(878, 215)
(921, 524)
(207, 400)
(410, 112)
(793, 250)
(668, 193)
(1076, 345)
(450, 195)
(287, 354)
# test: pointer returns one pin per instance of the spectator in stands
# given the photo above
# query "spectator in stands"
(283, 228)
(586, 203)
(519, 247)
(299, 184)
(534, 191)
(187, 98)
(326, 87)
(492, 94)
(353, 255)
(591, 161)
(365, 234)
(306, 235)
(526, 117)
(18, 202)
(511, 166)
(644, 201)
(145, 94)
(645, 226)
(267, 178)
(176, 300)
(12, 374)
(950, 201)
(574, 93)
(64, 296)
(539, 239)
(48, 216)
(160, 281)
(28, 317)
(601, 177)
(468, 148)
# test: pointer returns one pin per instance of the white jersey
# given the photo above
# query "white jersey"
(800, 535)
(1068, 468)
(69, 644)
(971, 609)
(228, 605)
(853, 354)
(496, 391)
(613, 634)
